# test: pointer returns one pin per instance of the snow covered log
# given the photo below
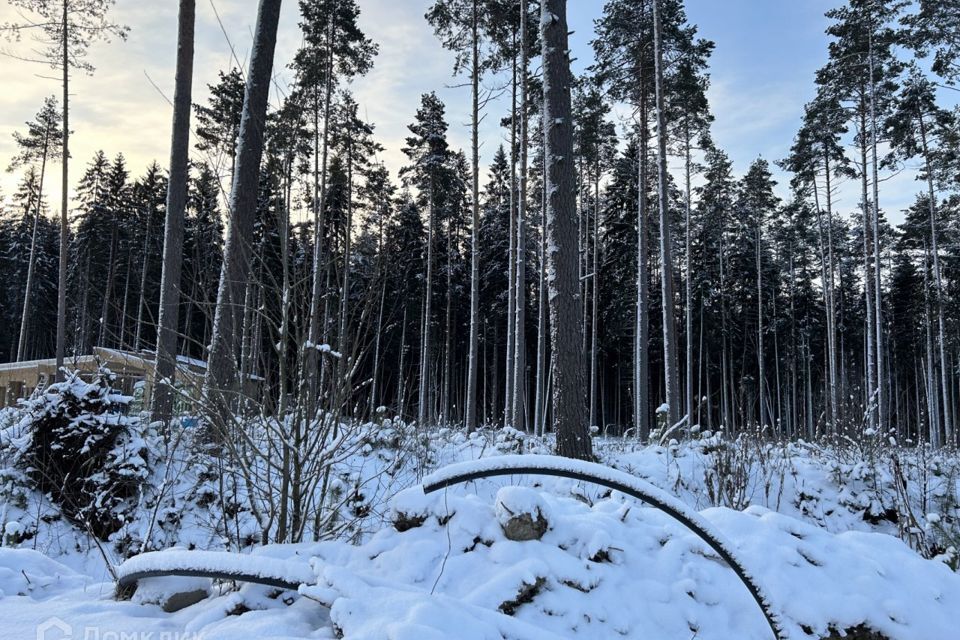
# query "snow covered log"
(462, 472)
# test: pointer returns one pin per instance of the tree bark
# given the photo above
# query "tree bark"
(424, 407)
(938, 283)
(688, 279)
(222, 369)
(671, 377)
(173, 225)
(877, 286)
(641, 371)
(61, 343)
(471, 400)
(310, 374)
(573, 437)
(28, 287)
(520, 342)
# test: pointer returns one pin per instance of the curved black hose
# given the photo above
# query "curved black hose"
(131, 579)
(717, 545)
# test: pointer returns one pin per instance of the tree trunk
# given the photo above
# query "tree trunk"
(938, 283)
(141, 299)
(641, 368)
(688, 279)
(877, 287)
(471, 400)
(310, 373)
(573, 437)
(222, 369)
(761, 378)
(424, 409)
(28, 287)
(666, 246)
(520, 342)
(595, 298)
(933, 417)
(343, 341)
(871, 371)
(539, 408)
(61, 345)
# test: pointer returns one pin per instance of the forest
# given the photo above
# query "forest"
(331, 349)
(717, 305)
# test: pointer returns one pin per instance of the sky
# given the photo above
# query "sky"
(761, 76)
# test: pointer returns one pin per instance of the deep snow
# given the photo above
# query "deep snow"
(813, 523)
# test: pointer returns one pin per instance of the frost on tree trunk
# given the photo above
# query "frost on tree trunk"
(671, 377)
(641, 364)
(173, 226)
(221, 380)
(519, 394)
(569, 408)
(471, 400)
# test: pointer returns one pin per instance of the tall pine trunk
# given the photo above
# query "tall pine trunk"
(61, 342)
(310, 374)
(688, 279)
(869, 335)
(424, 407)
(595, 298)
(221, 379)
(28, 287)
(573, 437)
(671, 378)
(938, 284)
(520, 342)
(877, 287)
(540, 403)
(471, 400)
(641, 366)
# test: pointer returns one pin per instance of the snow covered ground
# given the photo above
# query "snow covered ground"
(842, 537)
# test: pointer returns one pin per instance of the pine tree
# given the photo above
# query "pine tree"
(917, 125)
(218, 122)
(222, 371)
(595, 145)
(861, 73)
(68, 28)
(934, 28)
(625, 66)
(460, 25)
(573, 437)
(429, 157)
(42, 142)
(168, 320)
(334, 49)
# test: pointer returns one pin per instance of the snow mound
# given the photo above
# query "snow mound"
(615, 569)
(24, 572)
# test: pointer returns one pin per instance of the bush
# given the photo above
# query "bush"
(84, 453)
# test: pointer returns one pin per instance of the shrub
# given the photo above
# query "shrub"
(81, 450)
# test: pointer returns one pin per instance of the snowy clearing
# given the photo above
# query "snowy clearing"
(607, 566)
